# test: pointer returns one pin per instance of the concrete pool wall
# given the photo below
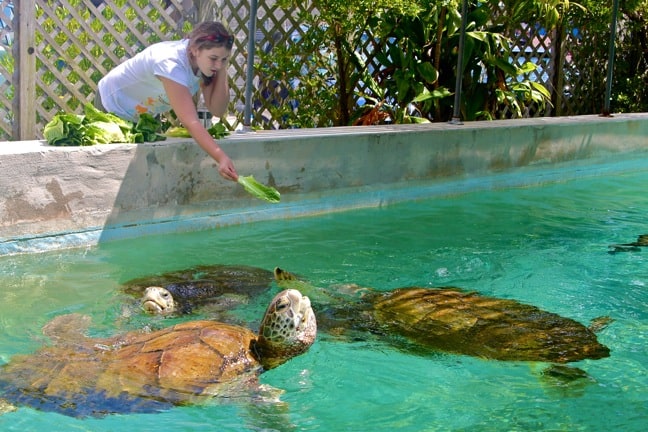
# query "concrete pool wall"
(54, 197)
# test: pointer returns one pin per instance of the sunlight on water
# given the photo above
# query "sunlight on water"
(546, 246)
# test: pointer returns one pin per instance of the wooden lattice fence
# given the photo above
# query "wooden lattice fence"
(6, 67)
(60, 49)
(54, 52)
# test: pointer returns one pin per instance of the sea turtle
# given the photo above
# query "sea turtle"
(221, 287)
(451, 320)
(144, 372)
(642, 241)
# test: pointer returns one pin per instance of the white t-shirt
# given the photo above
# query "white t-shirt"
(133, 87)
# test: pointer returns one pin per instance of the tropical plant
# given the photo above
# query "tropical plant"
(365, 65)
(310, 76)
(589, 57)
(418, 65)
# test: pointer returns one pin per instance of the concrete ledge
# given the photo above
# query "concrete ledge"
(68, 196)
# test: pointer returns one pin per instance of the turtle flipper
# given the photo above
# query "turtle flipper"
(6, 406)
(599, 323)
(69, 328)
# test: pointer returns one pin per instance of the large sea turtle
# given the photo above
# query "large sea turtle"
(142, 372)
(218, 287)
(451, 320)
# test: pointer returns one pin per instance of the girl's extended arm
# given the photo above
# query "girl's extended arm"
(182, 103)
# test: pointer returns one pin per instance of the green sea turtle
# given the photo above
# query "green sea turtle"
(218, 287)
(451, 320)
(642, 241)
(144, 372)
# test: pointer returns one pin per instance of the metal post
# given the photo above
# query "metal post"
(456, 116)
(249, 77)
(610, 69)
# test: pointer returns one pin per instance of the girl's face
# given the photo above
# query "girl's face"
(210, 61)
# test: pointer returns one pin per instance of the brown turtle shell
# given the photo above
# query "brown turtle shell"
(452, 320)
(133, 372)
(449, 319)
(149, 371)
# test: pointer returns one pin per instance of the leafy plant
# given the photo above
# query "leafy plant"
(97, 127)
(217, 130)
(404, 70)
(310, 76)
(589, 57)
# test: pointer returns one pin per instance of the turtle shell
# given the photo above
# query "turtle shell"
(135, 372)
(206, 284)
(139, 371)
(452, 320)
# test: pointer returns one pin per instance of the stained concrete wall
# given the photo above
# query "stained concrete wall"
(68, 196)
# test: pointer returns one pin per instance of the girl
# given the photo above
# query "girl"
(166, 75)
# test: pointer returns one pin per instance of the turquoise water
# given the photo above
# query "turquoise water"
(544, 245)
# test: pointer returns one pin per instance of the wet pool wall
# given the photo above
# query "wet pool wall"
(54, 197)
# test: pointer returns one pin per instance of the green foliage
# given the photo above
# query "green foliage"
(147, 129)
(97, 127)
(400, 59)
(65, 129)
(548, 13)
(312, 81)
(7, 66)
(630, 80)
(217, 130)
(410, 67)
(586, 69)
(300, 71)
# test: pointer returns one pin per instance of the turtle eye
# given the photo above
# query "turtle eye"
(282, 304)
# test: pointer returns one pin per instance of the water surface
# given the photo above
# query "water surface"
(546, 245)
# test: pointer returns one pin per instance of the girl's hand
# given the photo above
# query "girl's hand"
(226, 168)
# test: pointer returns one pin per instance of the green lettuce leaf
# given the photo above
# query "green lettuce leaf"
(258, 190)
(147, 126)
(54, 129)
(101, 132)
(92, 115)
(218, 130)
(98, 127)
(65, 130)
(177, 132)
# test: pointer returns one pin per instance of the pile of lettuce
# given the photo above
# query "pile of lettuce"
(97, 127)
(217, 130)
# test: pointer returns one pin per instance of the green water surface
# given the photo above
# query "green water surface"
(544, 245)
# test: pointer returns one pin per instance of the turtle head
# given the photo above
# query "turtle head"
(288, 329)
(282, 275)
(158, 300)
